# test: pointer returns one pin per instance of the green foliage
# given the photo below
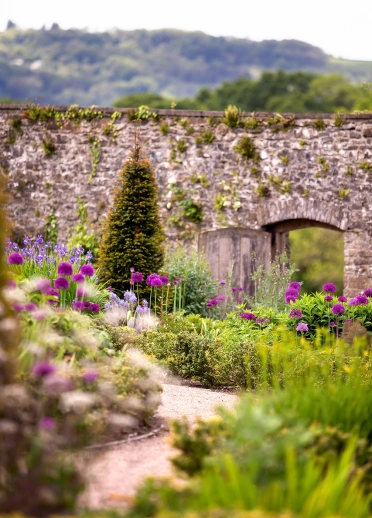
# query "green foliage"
(365, 166)
(252, 123)
(143, 113)
(302, 143)
(343, 193)
(51, 228)
(181, 146)
(339, 120)
(246, 148)
(319, 124)
(284, 159)
(48, 146)
(207, 137)
(83, 233)
(164, 128)
(349, 171)
(95, 155)
(280, 123)
(133, 236)
(195, 271)
(316, 260)
(263, 190)
(35, 113)
(191, 210)
(233, 116)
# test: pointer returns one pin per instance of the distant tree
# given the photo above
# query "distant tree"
(133, 236)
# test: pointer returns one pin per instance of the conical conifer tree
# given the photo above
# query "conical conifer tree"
(133, 236)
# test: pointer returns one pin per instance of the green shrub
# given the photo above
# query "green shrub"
(233, 116)
(246, 148)
(133, 236)
(83, 233)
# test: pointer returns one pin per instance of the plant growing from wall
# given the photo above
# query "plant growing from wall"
(48, 146)
(207, 137)
(343, 193)
(143, 113)
(302, 143)
(51, 228)
(182, 146)
(319, 124)
(263, 190)
(132, 236)
(95, 155)
(339, 120)
(164, 128)
(233, 116)
(324, 164)
(349, 171)
(246, 148)
(83, 233)
(280, 123)
(252, 122)
(284, 159)
(365, 166)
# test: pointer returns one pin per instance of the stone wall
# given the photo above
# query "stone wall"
(311, 168)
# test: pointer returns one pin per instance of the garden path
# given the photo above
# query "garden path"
(114, 475)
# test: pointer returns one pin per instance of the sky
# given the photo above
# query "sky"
(339, 31)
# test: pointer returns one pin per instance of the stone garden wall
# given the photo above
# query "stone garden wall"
(275, 174)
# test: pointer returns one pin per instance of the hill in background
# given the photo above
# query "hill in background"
(74, 66)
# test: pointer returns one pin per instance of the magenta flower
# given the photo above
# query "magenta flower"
(52, 292)
(362, 299)
(295, 285)
(18, 307)
(42, 285)
(290, 298)
(328, 298)
(95, 308)
(329, 288)
(81, 292)
(240, 288)
(156, 282)
(212, 302)
(353, 302)
(291, 292)
(221, 298)
(86, 304)
(150, 277)
(222, 282)
(15, 258)
(47, 423)
(368, 292)
(78, 306)
(302, 327)
(61, 283)
(78, 278)
(65, 269)
(87, 270)
(110, 288)
(136, 277)
(248, 316)
(90, 376)
(131, 269)
(348, 320)
(164, 279)
(238, 300)
(295, 313)
(30, 306)
(342, 298)
(11, 284)
(42, 369)
(38, 315)
(338, 309)
(332, 324)
(233, 290)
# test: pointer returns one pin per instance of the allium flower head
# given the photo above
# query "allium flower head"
(290, 299)
(65, 268)
(52, 292)
(291, 292)
(295, 285)
(342, 298)
(15, 258)
(150, 277)
(136, 277)
(38, 315)
(47, 423)
(164, 279)
(248, 316)
(61, 283)
(42, 369)
(42, 285)
(78, 305)
(338, 309)
(212, 302)
(362, 299)
(87, 270)
(332, 324)
(95, 308)
(78, 278)
(233, 290)
(240, 288)
(90, 376)
(328, 298)
(222, 282)
(353, 302)
(221, 298)
(156, 282)
(302, 327)
(368, 292)
(329, 288)
(18, 307)
(11, 284)
(30, 306)
(295, 313)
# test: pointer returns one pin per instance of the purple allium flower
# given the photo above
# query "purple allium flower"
(240, 288)
(353, 302)
(368, 292)
(302, 327)
(87, 270)
(362, 299)
(132, 269)
(221, 298)
(47, 423)
(61, 283)
(156, 282)
(295, 285)
(290, 299)
(78, 278)
(150, 277)
(30, 306)
(295, 313)
(95, 308)
(238, 300)
(332, 324)
(18, 307)
(52, 302)
(11, 284)
(42, 369)
(90, 376)
(110, 288)
(164, 279)
(342, 298)
(78, 306)
(248, 316)
(52, 292)
(338, 309)
(328, 298)
(65, 268)
(136, 277)
(15, 258)
(233, 290)
(212, 302)
(291, 292)
(222, 282)
(81, 292)
(42, 285)
(38, 315)
(348, 320)
(329, 288)
(86, 304)
(57, 384)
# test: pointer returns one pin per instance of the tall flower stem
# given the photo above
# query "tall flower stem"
(175, 299)
(166, 301)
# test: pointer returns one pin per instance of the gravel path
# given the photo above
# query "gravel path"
(114, 475)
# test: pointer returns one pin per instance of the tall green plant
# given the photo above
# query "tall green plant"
(133, 236)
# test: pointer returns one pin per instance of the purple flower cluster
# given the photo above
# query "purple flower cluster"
(295, 313)
(292, 293)
(329, 288)
(85, 305)
(212, 303)
(156, 281)
(338, 309)
(136, 277)
(248, 316)
(302, 327)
